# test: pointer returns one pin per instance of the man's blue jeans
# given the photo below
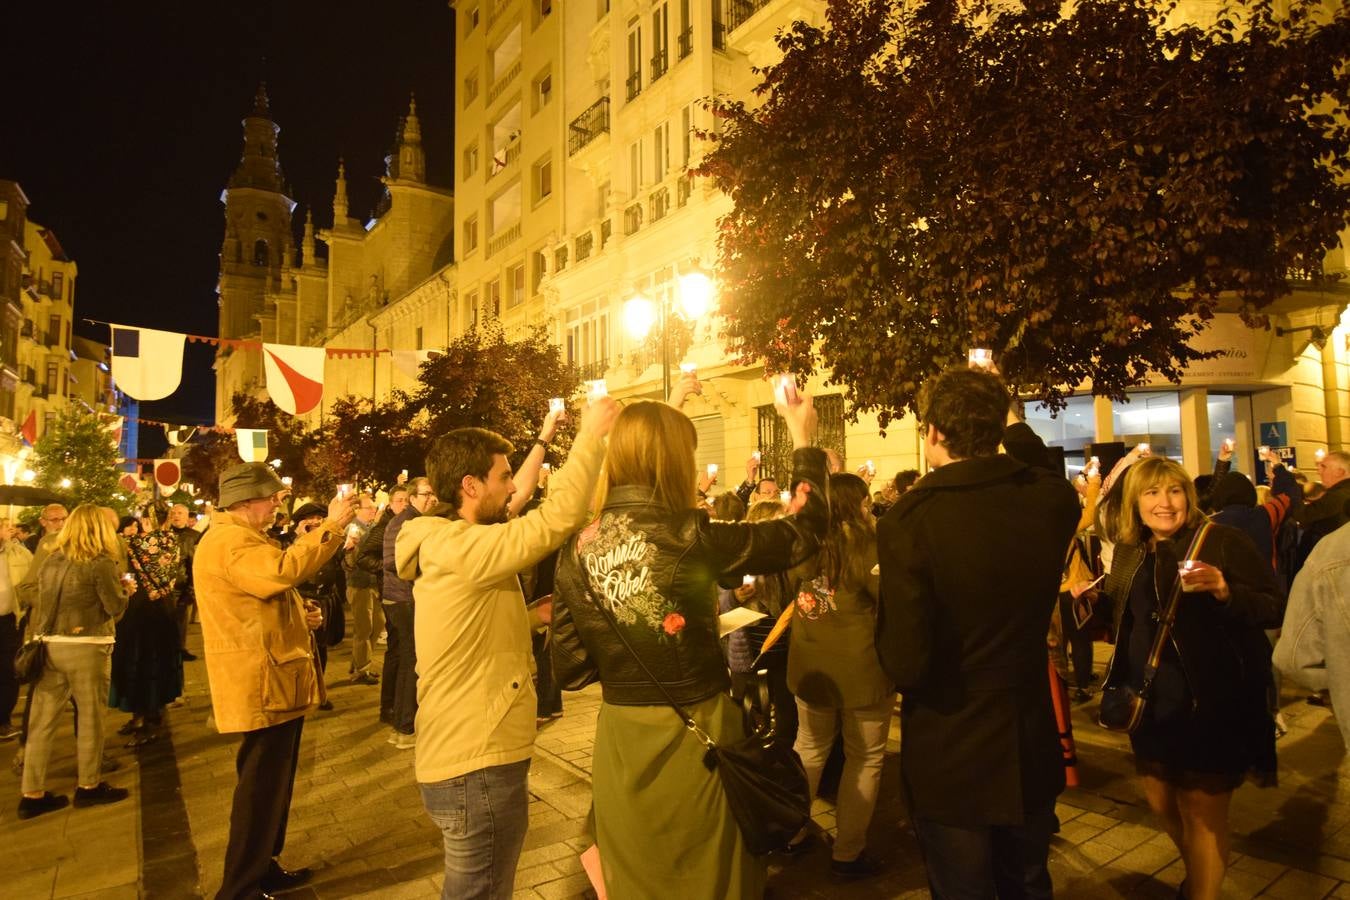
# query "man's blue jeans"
(482, 816)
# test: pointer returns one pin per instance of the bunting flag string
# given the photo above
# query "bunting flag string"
(147, 364)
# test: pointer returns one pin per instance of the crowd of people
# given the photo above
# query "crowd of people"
(973, 595)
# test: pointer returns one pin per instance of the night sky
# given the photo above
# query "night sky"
(122, 124)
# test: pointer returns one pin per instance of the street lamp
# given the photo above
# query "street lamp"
(641, 314)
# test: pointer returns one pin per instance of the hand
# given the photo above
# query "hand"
(1225, 451)
(402, 477)
(744, 592)
(800, 414)
(341, 510)
(752, 468)
(798, 497)
(544, 610)
(706, 481)
(688, 384)
(1206, 578)
(599, 417)
(866, 474)
(1082, 588)
(550, 426)
(313, 615)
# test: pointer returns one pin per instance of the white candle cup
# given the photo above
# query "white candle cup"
(688, 368)
(712, 470)
(598, 389)
(557, 405)
(980, 358)
(748, 580)
(1185, 567)
(785, 496)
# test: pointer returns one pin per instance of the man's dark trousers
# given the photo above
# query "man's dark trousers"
(976, 862)
(262, 803)
(398, 687)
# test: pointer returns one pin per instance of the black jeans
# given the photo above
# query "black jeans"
(9, 686)
(1079, 642)
(262, 803)
(980, 862)
(398, 682)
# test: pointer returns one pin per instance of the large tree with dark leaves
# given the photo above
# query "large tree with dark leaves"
(211, 453)
(1078, 192)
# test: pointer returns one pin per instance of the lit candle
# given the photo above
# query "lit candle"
(980, 358)
(748, 580)
(712, 470)
(785, 496)
(1319, 454)
(557, 405)
(598, 389)
(688, 368)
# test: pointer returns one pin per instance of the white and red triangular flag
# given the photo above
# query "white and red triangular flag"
(410, 361)
(179, 434)
(113, 425)
(147, 364)
(168, 472)
(294, 376)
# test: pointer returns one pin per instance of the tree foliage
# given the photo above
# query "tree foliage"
(211, 453)
(1078, 192)
(80, 447)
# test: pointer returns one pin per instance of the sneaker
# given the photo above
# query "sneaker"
(326, 706)
(1081, 696)
(98, 795)
(862, 867)
(279, 879)
(188, 656)
(36, 806)
(404, 741)
(8, 732)
(393, 737)
(365, 678)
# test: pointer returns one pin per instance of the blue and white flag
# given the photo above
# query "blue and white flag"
(147, 364)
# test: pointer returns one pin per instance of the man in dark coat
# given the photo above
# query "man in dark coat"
(970, 564)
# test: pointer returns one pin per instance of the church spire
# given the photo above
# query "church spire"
(412, 161)
(259, 166)
(341, 209)
(307, 256)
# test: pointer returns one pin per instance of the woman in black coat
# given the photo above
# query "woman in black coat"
(1207, 727)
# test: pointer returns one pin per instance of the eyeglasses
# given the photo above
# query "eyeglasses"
(424, 494)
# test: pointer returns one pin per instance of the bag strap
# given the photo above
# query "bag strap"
(680, 711)
(1170, 611)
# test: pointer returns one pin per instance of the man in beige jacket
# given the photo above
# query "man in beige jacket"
(476, 703)
(256, 634)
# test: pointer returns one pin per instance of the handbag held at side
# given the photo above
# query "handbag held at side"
(1122, 706)
(31, 658)
(764, 782)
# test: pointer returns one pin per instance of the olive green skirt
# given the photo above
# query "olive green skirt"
(661, 818)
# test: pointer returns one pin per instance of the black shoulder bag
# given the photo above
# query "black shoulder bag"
(765, 783)
(1123, 707)
(31, 658)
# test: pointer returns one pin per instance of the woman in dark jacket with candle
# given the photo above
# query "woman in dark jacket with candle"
(653, 559)
(1207, 726)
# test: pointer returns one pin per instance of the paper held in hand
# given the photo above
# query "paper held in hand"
(739, 617)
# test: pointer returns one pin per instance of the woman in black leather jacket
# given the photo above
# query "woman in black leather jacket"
(1206, 726)
(653, 559)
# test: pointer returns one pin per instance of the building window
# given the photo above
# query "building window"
(493, 306)
(541, 92)
(634, 80)
(515, 285)
(542, 9)
(471, 233)
(470, 87)
(53, 376)
(635, 167)
(685, 42)
(53, 330)
(661, 151)
(539, 268)
(775, 443)
(470, 160)
(470, 19)
(58, 285)
(660, 40)
(471, 311)
(543, 180)
(48, 420)
(418, 337)
(686, 135)
(260, 253)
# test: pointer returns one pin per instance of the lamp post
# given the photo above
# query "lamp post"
(640, 313)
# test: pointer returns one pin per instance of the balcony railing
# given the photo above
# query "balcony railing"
(585, 244)
(560, 259)
(27, 375)
(593, 371)
(633, 84)
(740, 11)
(684, 42)
(660, 63)
(504, 81)
(588, 126)
(719, 35)
(660, 203)
(503, 157)
(42, 392)
(53, 340)
(632, 218)
(502, 239)
(684, 189)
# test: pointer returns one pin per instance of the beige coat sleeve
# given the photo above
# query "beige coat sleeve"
(263, 570)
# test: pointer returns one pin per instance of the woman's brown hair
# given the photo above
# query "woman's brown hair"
(1151, 472)
(653, 444)
(88, 534)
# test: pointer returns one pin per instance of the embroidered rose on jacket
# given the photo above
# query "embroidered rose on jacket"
(672, 624)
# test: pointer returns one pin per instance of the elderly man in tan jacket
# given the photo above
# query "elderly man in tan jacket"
(256, 634)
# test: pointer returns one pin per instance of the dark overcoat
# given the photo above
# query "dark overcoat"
(970, 564)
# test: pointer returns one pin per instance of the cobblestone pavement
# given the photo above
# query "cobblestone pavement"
(357, 817)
